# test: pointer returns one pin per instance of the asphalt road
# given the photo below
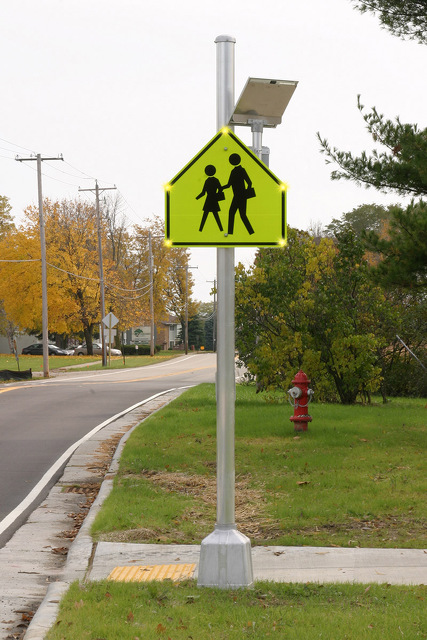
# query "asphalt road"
(41, 419)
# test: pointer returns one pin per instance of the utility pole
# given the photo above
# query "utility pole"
(97, 191)
(186, 309)
(214, 316)
(186, 306)
(150, 260)
(45, 322)
(151, 273)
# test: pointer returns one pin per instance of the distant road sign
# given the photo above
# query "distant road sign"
(110, 320)
(225, 196)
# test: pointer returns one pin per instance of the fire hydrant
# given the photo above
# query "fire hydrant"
(299, 397)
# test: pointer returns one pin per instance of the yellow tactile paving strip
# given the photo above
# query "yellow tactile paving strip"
(148, 573)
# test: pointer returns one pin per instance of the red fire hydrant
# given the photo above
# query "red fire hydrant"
(300, 397)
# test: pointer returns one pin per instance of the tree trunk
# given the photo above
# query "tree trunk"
(88, 331)
(383, 394)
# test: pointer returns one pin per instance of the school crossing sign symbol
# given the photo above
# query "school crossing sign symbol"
(225, 196)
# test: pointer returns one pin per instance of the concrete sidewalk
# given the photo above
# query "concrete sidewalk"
(28, 572)
(279, 564)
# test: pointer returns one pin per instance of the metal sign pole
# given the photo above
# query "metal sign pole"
(225, 555)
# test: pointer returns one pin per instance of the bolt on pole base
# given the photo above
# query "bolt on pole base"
(225, 559)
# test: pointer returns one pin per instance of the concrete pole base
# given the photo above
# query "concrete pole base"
(225, 559)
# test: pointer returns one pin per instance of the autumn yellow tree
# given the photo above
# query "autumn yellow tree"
(73, 270)
(72, 274)
(169, 272)
(7, 327)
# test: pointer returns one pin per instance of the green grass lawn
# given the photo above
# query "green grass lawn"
(35, 363)
(357, 477)
(117, 611)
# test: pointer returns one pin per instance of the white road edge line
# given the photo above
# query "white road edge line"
(13, 515)
(104, 374)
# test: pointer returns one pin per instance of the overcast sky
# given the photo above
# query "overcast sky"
(125, 90)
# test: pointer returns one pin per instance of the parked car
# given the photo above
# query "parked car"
(37, 350)
(97, 350)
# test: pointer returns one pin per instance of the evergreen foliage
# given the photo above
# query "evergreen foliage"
(401, 167)
(404, 249)
(403, 18)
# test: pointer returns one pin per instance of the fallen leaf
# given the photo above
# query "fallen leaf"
(303, 482)
(130, 617)
(160, 628)
(191, 599)
(27, 616)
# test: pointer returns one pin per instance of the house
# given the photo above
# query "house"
(165, 334)
(22, 340)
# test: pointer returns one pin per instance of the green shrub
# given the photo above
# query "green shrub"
(143, 349)
(405, 378)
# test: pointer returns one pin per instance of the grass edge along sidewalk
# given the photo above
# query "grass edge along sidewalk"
(182, 611)
(357, 478)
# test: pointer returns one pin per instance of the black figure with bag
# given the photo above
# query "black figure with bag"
(241, 184)
(213, 191)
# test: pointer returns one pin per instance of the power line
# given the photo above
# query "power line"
(76, 275)
(73, 175)
(132, 209)
(80, 171)
(6, 149)
(83, 173)
(129, 290)
(16, 145)
(135, 298)
(32, 260)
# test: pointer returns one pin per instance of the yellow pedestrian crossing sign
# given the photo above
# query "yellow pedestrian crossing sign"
(225, 196)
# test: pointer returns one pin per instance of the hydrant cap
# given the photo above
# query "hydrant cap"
(301, 378)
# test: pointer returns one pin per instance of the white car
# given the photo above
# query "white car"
(97, 350)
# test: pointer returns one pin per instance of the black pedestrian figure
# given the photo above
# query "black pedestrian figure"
(242, 190)
(213, 191)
